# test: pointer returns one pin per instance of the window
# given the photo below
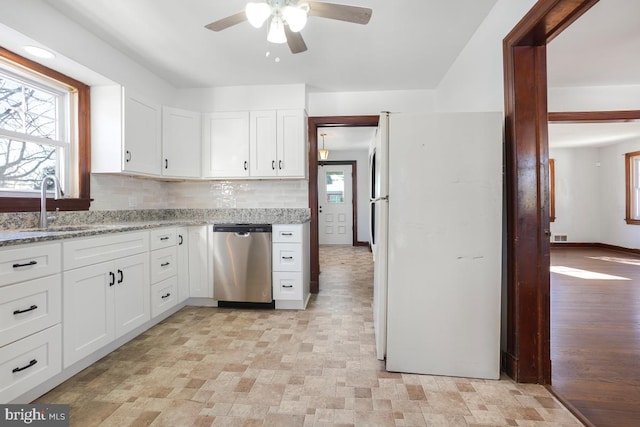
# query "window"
(44, 130)
(632, 177)
(335, 187)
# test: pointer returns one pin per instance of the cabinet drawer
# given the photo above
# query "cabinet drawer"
(287, 233)
(29, 362)
(93, 250)
(164, 295)
(163, 264)
(287, 257)
(162, 238)
(29, 307)
(287, 286)
(29, 262)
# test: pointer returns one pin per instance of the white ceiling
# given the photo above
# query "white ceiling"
(408, 44)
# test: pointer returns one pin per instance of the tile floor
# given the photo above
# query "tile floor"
(230, 367)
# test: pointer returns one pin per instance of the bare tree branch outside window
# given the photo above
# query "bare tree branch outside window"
(27, 112)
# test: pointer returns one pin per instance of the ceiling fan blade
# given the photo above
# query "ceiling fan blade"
(227, 22)
(355, 14)
(294, 40)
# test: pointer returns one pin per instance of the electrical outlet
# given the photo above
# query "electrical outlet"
(133, 201)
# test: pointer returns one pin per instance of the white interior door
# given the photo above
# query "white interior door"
(335, 205)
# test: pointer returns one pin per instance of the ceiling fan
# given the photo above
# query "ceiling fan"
(288, 17)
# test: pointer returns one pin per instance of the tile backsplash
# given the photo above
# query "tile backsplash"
(116, 192)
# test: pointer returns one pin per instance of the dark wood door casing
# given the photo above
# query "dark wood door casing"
(527, 355)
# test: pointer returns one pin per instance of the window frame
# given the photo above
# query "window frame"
(629, 179)
(81, 117)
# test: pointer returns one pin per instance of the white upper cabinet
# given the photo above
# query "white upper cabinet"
(278, 144)
(125, 132)
(255, 144)
(292, 144)
(181, 143)
(142, 127)
(262, 143)
(225, 145)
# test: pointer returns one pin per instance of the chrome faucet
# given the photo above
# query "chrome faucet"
(44, 220)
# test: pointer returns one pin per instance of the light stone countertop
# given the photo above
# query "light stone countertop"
(17, 229)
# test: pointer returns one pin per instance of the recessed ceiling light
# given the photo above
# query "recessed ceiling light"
(39, 52)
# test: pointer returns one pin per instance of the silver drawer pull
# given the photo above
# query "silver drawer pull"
(28, 264)
(167, 295)
(164, 264)
(33, 307)
(33, 362)
(286, 234)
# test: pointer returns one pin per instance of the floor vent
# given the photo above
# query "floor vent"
(557, 238)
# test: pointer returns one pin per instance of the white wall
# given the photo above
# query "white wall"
(362, 164)
(239, 98)
(614, 230)
(369, 103)
(596, 98)
(590, 199)
(36, 19)
(577, 191)
(475, 80)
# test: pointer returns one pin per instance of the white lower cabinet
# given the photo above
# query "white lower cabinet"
(29, 307)
(30, 314)
(164, 295)
(182, 254)
(105, 300)
(164, 270)
(200, 262)
(29, 362)
(290, 263)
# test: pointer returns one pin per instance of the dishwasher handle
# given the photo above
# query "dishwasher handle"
(242, 228)
(243, 234)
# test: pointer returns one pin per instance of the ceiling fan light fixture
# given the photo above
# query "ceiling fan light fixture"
(257, 13)
(276, 31)
(295, 16)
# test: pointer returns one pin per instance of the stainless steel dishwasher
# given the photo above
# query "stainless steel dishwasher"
(242, 264)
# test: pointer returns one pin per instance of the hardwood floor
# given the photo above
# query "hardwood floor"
(595, 334)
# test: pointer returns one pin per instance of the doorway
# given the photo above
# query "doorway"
(337, 210)
(315, 123)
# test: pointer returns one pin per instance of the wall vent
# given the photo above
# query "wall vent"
(558, 238)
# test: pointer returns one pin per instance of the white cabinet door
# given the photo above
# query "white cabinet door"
(292, 144)
(181, 143)
(262, 144)
(132, 298)
(226, 145)
(183, 263)
(142, 142)
(102, 302)
(200, 262)
(87, 314)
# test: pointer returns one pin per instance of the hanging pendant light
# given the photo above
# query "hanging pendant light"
(323, 154)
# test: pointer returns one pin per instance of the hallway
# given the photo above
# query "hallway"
(231, 367)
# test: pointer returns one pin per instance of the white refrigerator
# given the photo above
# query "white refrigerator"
(436, 227)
